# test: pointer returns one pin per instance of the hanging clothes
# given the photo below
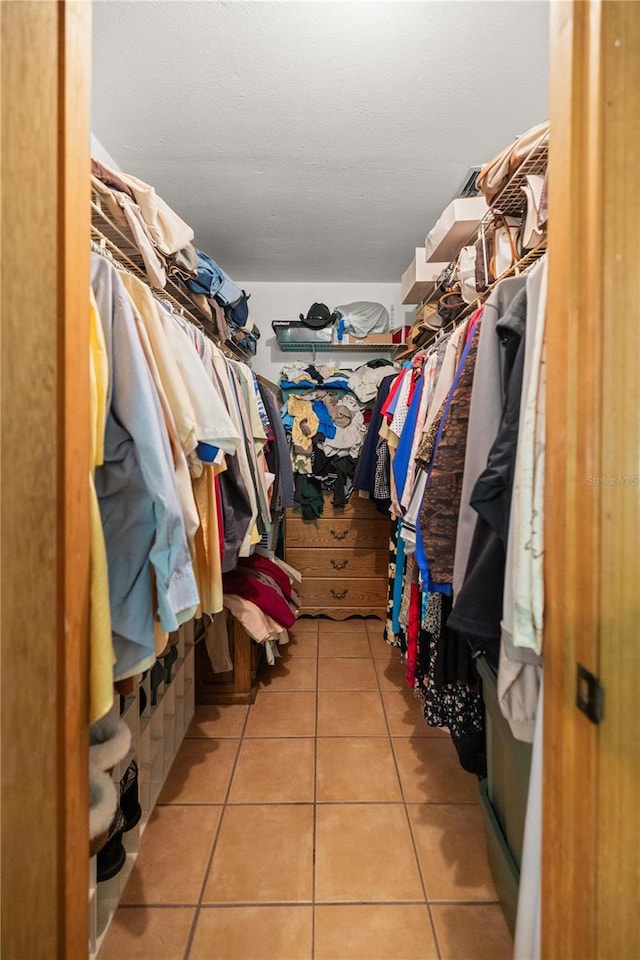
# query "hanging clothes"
(101, 653)
(139, 503)
(477, 610)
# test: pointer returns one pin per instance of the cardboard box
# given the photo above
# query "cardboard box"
(419, 279)
(454, 229)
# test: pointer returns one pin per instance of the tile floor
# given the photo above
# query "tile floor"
(327, 821)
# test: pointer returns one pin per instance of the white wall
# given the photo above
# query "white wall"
(286, 301)
(99, 153)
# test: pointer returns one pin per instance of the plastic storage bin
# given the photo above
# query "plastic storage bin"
(503, 795)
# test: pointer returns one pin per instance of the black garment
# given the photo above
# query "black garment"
(478, 608)
(284, 496)
(236, 512)
(309, 496)
(236, 507)
(338, 471)
(365, 476)
(379, 362)
(446, 677)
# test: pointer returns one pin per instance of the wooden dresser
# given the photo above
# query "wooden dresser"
(343, 558)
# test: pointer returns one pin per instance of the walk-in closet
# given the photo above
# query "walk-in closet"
(320, 465)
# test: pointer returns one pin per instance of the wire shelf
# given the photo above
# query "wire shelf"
(511, 201)
(123, 247)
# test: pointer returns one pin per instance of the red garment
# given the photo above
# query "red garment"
(269, 599)
(472, 324)
(393, 389)
(271, 569)
(273, 598)
(413, 632)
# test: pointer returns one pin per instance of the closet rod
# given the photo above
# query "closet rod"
(104, 245)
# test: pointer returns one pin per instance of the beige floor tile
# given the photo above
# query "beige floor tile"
(282, 715)
(379, 647)
(344, 645)
(374, 932)
(304, 645)
(201, 772)
(472, 933)
(289, 674)
(356, 769)
(220, 721)
(350, 714)
(174, 852)
(345, 674)
(304, 627)
(392, 674)
(452, 851)
(365, 852)
(342, 628)
(263, 854)
(405, 716)
(139, 934)
(431, 773)
(253, 933)
(274, 771)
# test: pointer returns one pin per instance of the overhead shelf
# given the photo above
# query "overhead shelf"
(296, 337)
(327, 346)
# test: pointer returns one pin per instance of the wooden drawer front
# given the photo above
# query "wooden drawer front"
(360, 593)
(337, 533)
(356, 507)
(338, 612)
(345, 564)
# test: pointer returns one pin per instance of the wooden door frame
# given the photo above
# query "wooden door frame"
(44, 419)
(590, 855)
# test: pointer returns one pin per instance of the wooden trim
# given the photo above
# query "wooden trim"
(44, 463)
(618, 852)
(589, 857)
(74, 240)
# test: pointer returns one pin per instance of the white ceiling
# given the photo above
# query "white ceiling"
(314, 140)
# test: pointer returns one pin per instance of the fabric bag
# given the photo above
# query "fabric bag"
(496, 250)
(450, 306)
(495, 175)
(531, 234)
(466, 273)
(484, 252)
(362, 318)
(505, 246)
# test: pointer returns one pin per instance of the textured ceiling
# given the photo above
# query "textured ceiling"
(314, 140)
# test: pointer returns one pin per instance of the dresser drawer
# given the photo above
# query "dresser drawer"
(337, 533)
(338, 612)
(344, 563)
(361, 593)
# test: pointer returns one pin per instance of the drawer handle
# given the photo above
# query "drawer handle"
(339, 566)
(339, 594)
(339, 536)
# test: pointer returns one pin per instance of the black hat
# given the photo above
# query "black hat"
(318, 316)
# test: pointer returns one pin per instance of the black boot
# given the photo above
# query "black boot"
(129, 804)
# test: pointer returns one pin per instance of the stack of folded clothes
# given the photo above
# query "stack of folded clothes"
(325, 417)
(259, 594)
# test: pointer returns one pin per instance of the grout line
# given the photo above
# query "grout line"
(465, 903)
(326, 903)
(214, 844)
(408, 821)
(256, 903)
(315, 801)
(222, 905)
